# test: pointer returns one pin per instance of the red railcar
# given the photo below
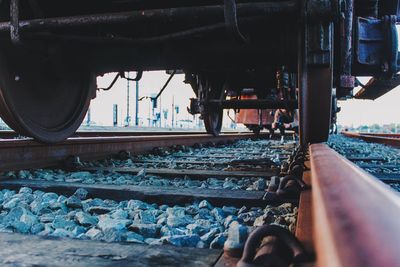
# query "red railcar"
(255, 119)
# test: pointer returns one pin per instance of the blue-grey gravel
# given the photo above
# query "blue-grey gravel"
(198, 224)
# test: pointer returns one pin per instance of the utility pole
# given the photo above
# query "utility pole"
(160, 113)
(173, 112)
(153, 102)
(128, 118)
(165, 111)
(115, 115)
(137, 104)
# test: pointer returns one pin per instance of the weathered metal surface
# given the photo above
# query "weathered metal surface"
(24, 154)
(200, 13)
(376, 87)
(151, 194)
(376, 46)
(28, 250)
(304, 226)
(254, 104)
(355, 222)
(42, 99)
(261, 117)
(315, 72)
(315, 105)
(390, 140)
(272, 245)
(347, 81)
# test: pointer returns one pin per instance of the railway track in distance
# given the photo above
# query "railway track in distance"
(380, 138)
(27, 153)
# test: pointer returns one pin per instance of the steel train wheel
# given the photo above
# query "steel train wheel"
(213, 115)
(43, 94)
(315, 97)
(213, 121)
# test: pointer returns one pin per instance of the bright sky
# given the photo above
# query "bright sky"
(150, 84)
(384, 110)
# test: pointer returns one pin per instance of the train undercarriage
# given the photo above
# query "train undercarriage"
(290, 54)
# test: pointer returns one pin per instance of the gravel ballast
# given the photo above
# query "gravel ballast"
(78, 216)
(380, 160)
(270, 150)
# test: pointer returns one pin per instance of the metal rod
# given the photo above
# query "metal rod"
(231, 21)
(139, 41)
(112, 83)
(200, 13)
(128, 118)
(165, 85)
(253, 104)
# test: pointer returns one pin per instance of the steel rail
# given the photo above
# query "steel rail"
(355, 216)
(393, 135)
(390, 140)
(26, 153)
(8, 134)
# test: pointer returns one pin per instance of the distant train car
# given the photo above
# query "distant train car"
(51, 52)
(255, 119)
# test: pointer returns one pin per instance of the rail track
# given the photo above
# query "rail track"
(380, 138)
(191, 200)
(112, 132)
(375, 153)
(27, 153)
(349, 207)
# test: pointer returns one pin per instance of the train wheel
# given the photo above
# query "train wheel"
(213, 121)
(212, 88)
(315, 95)
(44, 93)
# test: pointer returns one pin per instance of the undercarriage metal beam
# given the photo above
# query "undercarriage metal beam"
(253, 104)
(377, 87)
(199, 13)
